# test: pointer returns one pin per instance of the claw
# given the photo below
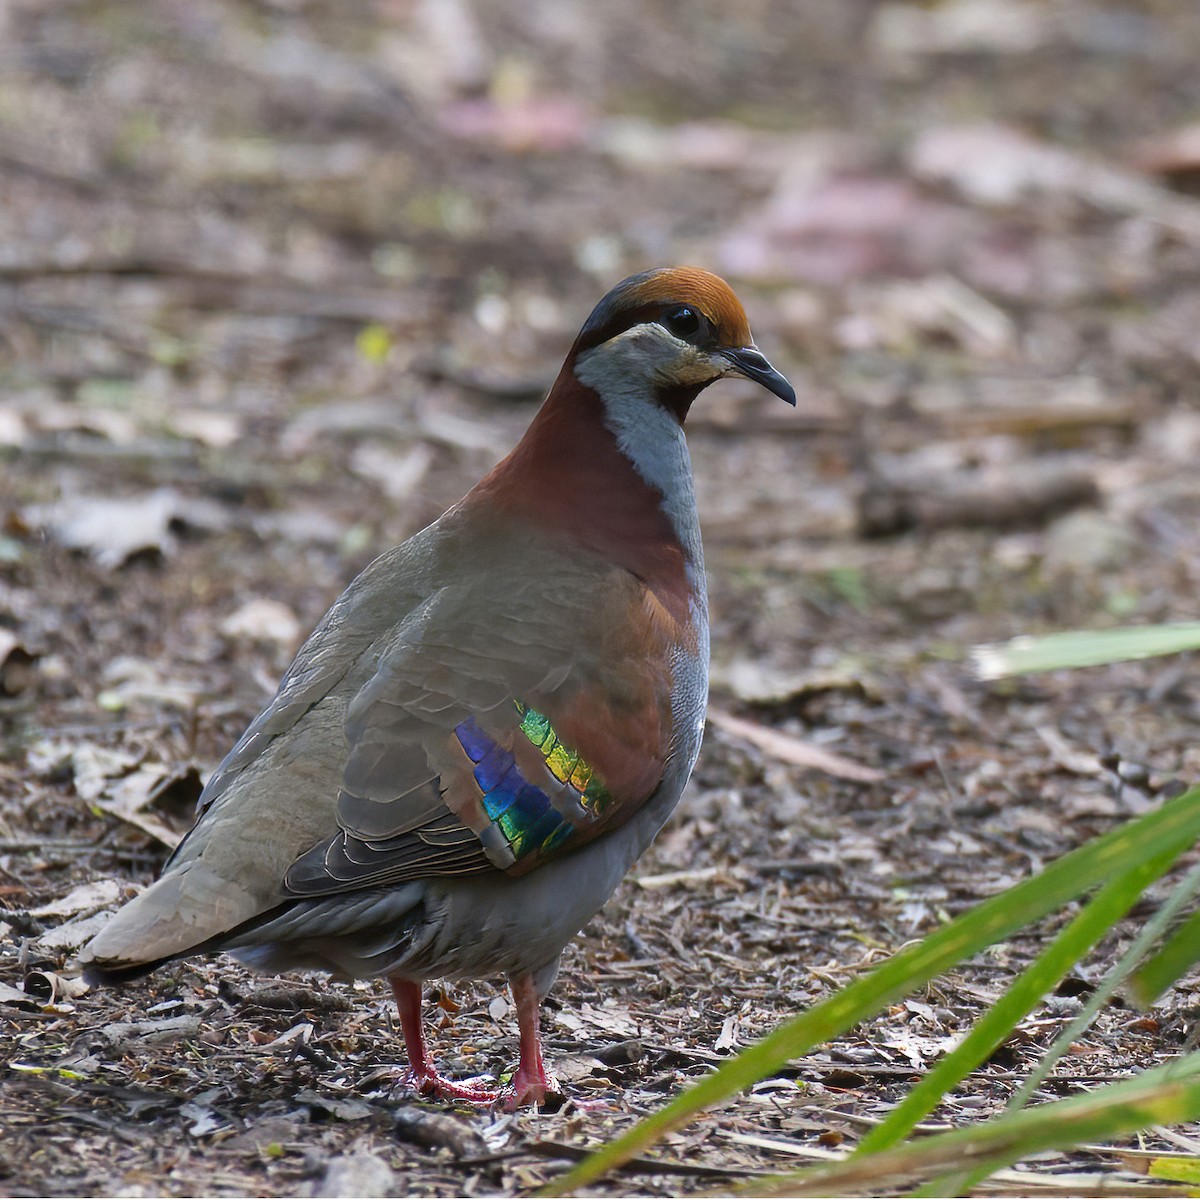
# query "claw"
(524, 1090)
(530, 1084)
(430, 1083)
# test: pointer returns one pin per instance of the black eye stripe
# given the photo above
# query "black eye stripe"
(602, 326)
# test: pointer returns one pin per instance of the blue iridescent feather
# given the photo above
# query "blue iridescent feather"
(524, 814)
(493, 767)
(473, 740)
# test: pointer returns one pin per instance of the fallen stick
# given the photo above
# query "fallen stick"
(792, 750)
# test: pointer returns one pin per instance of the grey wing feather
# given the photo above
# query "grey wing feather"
(328, 655)
(346, 863)
(337, 656)
(393, 823)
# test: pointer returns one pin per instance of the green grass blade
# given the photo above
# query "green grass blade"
(1180, 1170)
(1183, 894)
(1114, 853)
(1177, 955)
(1167, 1095)
(1107, 907)
(1083, 648)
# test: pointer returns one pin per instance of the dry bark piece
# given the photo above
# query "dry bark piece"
(571, 1069)
(150, 1033)
(753, 681)
(676, 878)
(48, 987)
(17, 664)
(1020, 495)
(621, 1054)
(291, 999)
(437, 1131)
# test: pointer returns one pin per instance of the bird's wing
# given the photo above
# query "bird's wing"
(498, 731)
(385, 755)
(331, 652)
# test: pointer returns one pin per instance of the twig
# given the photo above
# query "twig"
(550, 1149)
(792, 750)
(17, 844)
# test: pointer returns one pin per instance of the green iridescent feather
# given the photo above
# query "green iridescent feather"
(564, 763)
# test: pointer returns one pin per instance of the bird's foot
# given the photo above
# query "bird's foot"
(530, 1087)
(429, 1083)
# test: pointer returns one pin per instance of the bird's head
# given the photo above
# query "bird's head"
(669, 333)
(604, 466)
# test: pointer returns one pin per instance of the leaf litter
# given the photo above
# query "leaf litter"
(204, 435)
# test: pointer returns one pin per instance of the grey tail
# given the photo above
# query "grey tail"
(113, 977)
(98, 976)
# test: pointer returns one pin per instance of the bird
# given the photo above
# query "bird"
(493, 721)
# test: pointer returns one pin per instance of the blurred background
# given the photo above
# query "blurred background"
(280, 279)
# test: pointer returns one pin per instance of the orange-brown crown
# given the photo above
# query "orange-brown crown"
(645, 297)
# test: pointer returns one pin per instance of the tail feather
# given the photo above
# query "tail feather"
(186, 911)
(345, 934)
(96, 976)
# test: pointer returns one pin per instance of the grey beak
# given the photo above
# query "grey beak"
(749, 362)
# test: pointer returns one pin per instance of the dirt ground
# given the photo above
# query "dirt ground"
(281, 279)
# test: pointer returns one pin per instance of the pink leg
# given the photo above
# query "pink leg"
(422, 1076)
(530, 1084)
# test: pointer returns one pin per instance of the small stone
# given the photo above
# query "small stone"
(263, 620)
(1085, 542)
(357, 1175)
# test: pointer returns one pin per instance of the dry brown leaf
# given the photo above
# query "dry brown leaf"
(87, 897)
(129, 798)
(114, 529)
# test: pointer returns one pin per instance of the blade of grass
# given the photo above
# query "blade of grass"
(1176, 956)
(1181, 1170)
(1116, 852)
(1166, 1095)
(1083, 648)
(1137, 950)
(1107, 907)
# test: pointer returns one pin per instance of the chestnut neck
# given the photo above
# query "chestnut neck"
(569, 475)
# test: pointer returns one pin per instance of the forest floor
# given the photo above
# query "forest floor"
(278, 284)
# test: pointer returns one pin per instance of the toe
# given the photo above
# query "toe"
(430, 1083)
(531, 1091)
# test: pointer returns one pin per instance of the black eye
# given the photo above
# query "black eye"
(683, 322)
